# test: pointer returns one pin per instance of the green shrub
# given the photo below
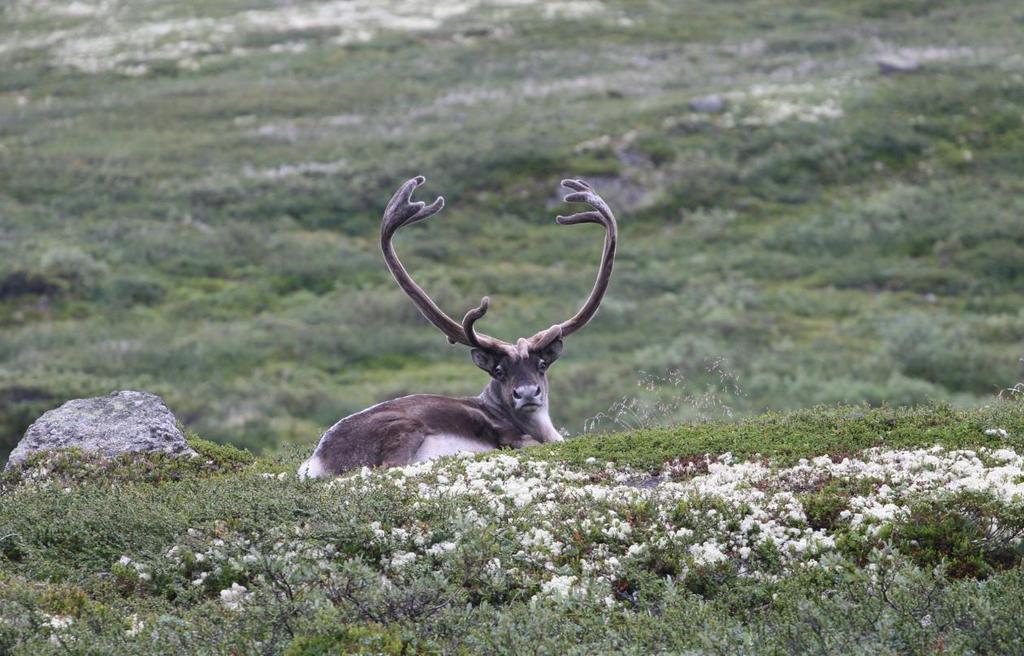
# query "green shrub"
(75, 268)
(223, 457)
(971, 535)
(931, 350)
(367, 639)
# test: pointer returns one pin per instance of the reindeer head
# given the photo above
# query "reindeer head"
(519, 374)
(518, 371)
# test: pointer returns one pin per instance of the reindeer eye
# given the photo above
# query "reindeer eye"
(499, 373)
(542, 365)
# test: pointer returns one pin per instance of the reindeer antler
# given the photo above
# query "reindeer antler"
(471, 318)
(400, 212)
(601, 214)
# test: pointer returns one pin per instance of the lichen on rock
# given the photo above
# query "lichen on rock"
(122, 422)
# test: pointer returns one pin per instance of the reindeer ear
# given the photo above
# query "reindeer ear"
(551, 352)
(484, 359)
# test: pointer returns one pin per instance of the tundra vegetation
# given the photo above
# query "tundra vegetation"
(189, 201)
(190, 196)
(844, 530)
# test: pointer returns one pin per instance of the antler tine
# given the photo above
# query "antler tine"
(400, 212)
(474, 315)
(545, 337)
(602, 214)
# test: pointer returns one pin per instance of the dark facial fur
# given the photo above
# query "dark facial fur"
(519, 375)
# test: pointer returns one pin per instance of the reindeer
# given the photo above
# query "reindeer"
(512, 411)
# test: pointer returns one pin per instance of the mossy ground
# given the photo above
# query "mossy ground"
(789, 436)
(61, 546)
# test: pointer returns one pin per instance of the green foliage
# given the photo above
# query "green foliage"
(925, 348)
(970, 535)
(833, 235)
(835, 431)
(103, 564)
(371, 639)
(823, 507)
(221, 457)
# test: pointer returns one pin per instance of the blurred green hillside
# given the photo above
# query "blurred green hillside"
(190, 196)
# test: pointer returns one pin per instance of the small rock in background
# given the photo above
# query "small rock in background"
(712, 104)
(896, 64)
(123, 422)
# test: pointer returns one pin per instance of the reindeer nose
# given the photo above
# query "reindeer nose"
(526, 391)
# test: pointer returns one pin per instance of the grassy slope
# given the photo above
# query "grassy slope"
(786, 437)
(150, 238)
(58, 546)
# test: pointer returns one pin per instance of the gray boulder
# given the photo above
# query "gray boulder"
(124, 422)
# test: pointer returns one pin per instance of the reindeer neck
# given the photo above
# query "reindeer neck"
(536, 424)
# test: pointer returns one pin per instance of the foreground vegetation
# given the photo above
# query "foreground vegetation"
(842, 530)
(190, 195)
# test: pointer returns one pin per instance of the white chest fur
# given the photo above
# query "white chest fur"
(435, 446)
(540, 427)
